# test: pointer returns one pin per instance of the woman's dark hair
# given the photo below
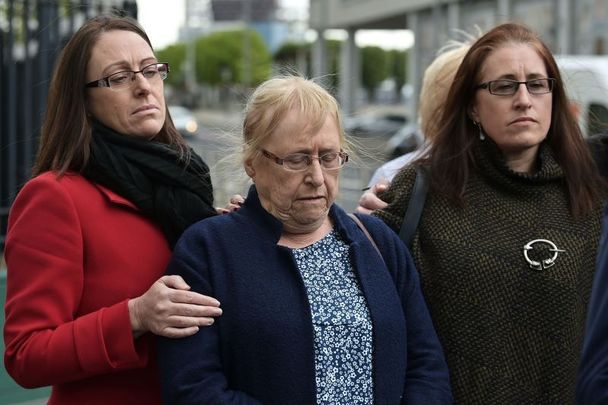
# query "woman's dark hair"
(66, 131)
(450, 156)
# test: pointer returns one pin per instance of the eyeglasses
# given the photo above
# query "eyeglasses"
(506, 87)
(297, 162)
(124, 79)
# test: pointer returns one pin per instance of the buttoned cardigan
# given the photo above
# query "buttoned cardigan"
(261, 349)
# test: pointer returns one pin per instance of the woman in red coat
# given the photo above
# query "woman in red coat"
(90, 235)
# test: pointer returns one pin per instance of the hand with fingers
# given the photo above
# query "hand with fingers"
(169, 309)
(235, 202)
(370, 201)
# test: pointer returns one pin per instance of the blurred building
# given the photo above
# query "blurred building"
(232, 10)
(203, 17)
(567, 26)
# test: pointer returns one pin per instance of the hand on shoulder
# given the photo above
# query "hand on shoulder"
(235, 202)
(369, 200)
(168, 309)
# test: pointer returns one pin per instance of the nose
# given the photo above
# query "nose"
(140, 83)
(522, 97)
(314, 174)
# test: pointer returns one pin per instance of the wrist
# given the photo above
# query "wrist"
(136, 325)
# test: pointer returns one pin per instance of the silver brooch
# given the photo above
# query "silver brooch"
(545, 263)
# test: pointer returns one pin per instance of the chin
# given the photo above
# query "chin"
(520, 141)
(148, 130)
(311, 217)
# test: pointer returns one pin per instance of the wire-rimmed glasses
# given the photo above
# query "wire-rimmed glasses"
(297, 162)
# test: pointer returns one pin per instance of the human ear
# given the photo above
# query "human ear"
(249, 169)
(472, 113)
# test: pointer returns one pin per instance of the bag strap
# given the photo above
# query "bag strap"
(366, 232)
(415, 206)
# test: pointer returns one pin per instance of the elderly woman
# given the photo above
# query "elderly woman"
(90, 235)
(312, 312)
(507, 241)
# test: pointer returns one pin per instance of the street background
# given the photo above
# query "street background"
(371, 53)
(219, 126)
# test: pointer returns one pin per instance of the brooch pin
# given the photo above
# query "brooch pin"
(545, 263)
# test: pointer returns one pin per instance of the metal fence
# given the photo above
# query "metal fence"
(32, 33)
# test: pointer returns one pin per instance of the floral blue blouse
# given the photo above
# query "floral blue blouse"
(341, 322)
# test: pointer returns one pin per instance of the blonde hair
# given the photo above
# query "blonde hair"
(436, 82)
(275, 98)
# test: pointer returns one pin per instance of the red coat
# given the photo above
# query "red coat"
(76, 252)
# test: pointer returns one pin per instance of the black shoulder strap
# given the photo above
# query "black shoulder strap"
(415, 206)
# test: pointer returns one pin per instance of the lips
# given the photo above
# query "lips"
(311, 198)
(522, 119)
(145, 108)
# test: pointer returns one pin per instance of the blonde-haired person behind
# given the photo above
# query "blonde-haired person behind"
(436, 82)
(312, 312)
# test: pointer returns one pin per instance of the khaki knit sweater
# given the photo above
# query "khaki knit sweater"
(511, 333)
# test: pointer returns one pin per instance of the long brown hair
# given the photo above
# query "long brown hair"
(66, 131)
(450, 156)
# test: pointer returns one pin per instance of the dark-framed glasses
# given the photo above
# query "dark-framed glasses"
(506, 87)
(297, 162)
(122, 80)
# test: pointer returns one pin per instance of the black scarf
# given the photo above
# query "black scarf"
(172, 192)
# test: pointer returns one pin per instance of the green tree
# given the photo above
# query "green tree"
(287, 56)
(222, 57)
(176, 56)
(334, 48)
(398, 69)
(374, 69)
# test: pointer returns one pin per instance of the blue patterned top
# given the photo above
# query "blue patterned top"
(341, 322)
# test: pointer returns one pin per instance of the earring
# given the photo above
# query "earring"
(482, 136)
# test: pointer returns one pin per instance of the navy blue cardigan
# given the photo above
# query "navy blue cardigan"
(261, 350)
(592, 384)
